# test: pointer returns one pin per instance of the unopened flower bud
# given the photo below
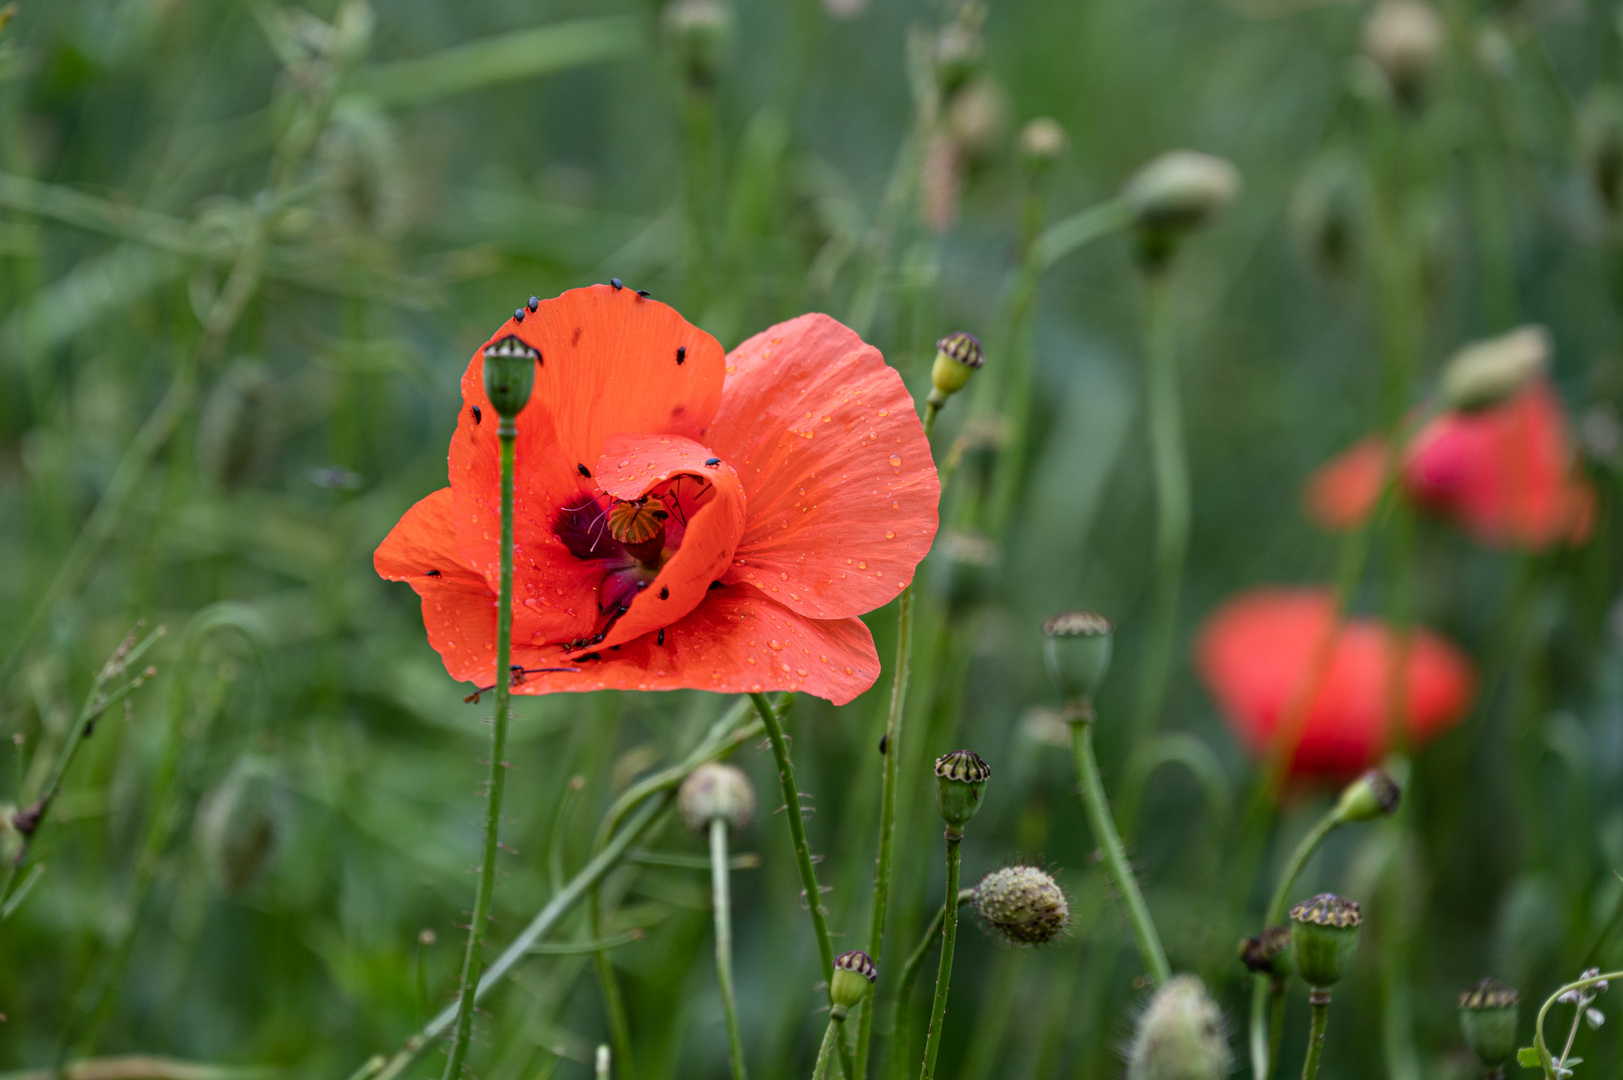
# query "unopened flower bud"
(1324, 935)
(959, 53)
(1023, 905)
(1180, 1036)
(1373, 795)
(957, 357)
(1042, 142)
(960, 778)
(1600, 145)
(1404, 38)
(701, 31)
(854, 975)
(510, 374)
(1327, 212)
(976, 118)
(1269, 953)
(1077, 647)
(1488, 1014)
(1487, 372)
(1175, 194)
(969, 562)
(238, 823)
(716, 791)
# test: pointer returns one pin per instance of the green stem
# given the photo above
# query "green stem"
(473, 959)
(1171, 500)
(943, 978)
(1293, 869)
(1276, 1021)
(1538, 1026)
(1104, 833)
(831, 1038)
(797, 831)
(1315, 1037)
(724, 942)
(904, 988)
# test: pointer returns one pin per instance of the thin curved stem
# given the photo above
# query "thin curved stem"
(473, 959)
(1315, 1036)
(943, 978)
(1104, 833)
(904, 988)
(825, 1052)
(719, 887)
(1538, 1026)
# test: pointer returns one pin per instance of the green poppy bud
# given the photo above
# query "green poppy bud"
(1328, 210)
(959, 52)
(701, 32)
(1042, 142)
(1023, 905)
(1485, 373)
(854, 975)
(1077, 647)
(1373, 795)
(1180, 1036)
(238, 823)
(1404, 38)
(1600, 144)
(1324, 936)
(960, 779)
(967, 567)
(957, 357)
(510, 376)
(716, 791)
(1175, 194)
(1488, 1014)
(1269, 953)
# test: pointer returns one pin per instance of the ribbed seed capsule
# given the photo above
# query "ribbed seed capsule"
(1324, 936)
(960, 778)
(957, 357)
(1488, 1015)
(1076, 647)
(854, 975)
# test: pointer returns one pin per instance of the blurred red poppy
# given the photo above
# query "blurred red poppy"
(682, 518)
(1255, 655)
(1506, 474)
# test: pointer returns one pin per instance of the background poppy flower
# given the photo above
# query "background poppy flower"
(1255, 652)
(682, 519)
(1506, 474)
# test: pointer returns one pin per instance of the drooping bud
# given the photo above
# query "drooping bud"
(960, 778)
(977, 118)
(1180, 1036)
(510, 375)
(1373, 795)
(1023, 905)
(1269, 953)
(701, 32)
(1077, 647)
(957, 357)
(712, 791)
(1175, 194)
(959, 52)
(1404, 39)
(1327, 212)
(1488, 1014)
(854, 975)
(1600, 145)
(1042, 142)
(969, 562)
(1324, 935)
(240, 425)
(238, 823)
(1485, 373)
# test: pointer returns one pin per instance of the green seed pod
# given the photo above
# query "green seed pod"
(957, 357)
(510, 374)
(854, 975)
(960, 779)
(716, 791)
(1180, 1036)
(1373, 795)
(1077, 647)
(238, 823)
(240, 425)
(1175, 194)
(1404, 38)
(701, 33)
(1485, 373)
(1023, 905)
(1488, 1014)
(1323, 938)
(1269, 953)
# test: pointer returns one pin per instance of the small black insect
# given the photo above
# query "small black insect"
(584, 471)
(643, 293)
(534, 303)
(518, 314)
(431, 573)
(618, 285)
(715, 584)
(477, 415)
(681, 354)
(664, 593)
(712, 462)
(661, 639)
(884, 743)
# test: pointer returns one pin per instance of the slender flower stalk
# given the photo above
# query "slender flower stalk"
(910, 975)
(943, 979)
(724, 942)
(713, 799)
(1555, 1067)
(960, 779)
(1324, 936)
(1315, 1037)
(825, 1051)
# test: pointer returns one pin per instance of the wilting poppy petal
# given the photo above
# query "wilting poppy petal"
(459, 609)
(831, 452)
(1256, 656)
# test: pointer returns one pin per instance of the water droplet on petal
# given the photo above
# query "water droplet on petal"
(895, 461)
(775, 645)
(889, 535)
(782, 576)
(862, 566)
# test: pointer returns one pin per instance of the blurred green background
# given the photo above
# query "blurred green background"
(247, 248)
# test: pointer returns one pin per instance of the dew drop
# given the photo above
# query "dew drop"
(884, 412)
(895, 461)
(775, 645)
(749, 659)
(782, 576)
(889, 535)
(862, 566)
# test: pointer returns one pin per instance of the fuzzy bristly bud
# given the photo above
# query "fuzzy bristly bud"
(1042, 142)
(1327, 212)
(510, 374)
(1324, 935)
(1077, 647)
(716, 791)
(1023, 905)
(1488, 1015)
(960, 778)
(1485, 373)
(1175, 194)
(854, 975)
(1404, 38)
(1373, 795)
(1269, 953)
(957, 357)
(701, 31)
(1180, 1036)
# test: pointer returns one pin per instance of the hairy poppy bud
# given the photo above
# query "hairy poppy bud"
(702, 33)
(1042, 142)
(1488, 1014)
(1324, 936)
(1175, 194)
(968, 564)
(1077, 647)
(960, 778)
(977, 119)
(1600, 144)
(238, 822)
(509, 375)
(959, 52)
(1269, 953)
(1327, 212)
(1485, 373)
(716, 791)
(1023, 905)
(1180, 1036)
(240, 425)
(1404, 39)
(1373, 795)
(957, 357)
(854, 975)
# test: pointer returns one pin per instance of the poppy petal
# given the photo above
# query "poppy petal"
(1341, 493)
(841, 484)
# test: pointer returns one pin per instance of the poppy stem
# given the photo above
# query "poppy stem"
(949, 938)
(1315, 1037)
(831, 1038)
(797, 831)
(1109, 841)
(719, 887)
(473, 959)
(904, 989)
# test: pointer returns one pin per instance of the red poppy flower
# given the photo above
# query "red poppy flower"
(1506, 474)
(682, 518)
(1255, 654)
